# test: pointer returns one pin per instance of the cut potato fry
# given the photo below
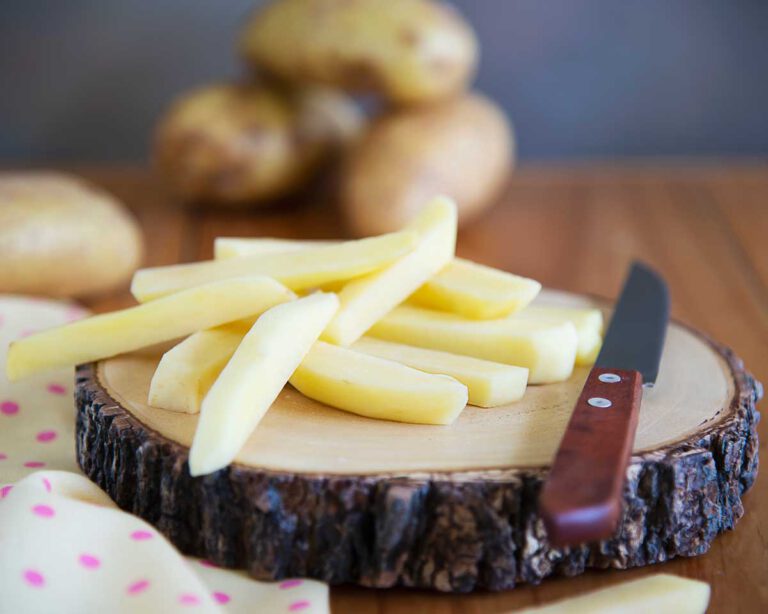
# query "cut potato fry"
(476, 291)
(462, 286)
(254, 376)
(238, 247)
(378, 388)
(298, 270)
(547, 349)
(660, 594)
(365, 301)
(588, 323)
(590, 344)
(187, 371)
(169, 318)
(489, 383)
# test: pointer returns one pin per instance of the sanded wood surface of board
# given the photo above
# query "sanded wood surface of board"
(574, 228)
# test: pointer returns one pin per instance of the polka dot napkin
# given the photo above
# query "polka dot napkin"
(64, 545)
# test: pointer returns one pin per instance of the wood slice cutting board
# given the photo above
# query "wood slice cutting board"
(326, 494)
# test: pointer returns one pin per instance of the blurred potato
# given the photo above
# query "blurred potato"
(61, 237)
(408, 51)
(241, 145)
(463, 148)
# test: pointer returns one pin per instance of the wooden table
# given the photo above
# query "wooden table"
(576, 228)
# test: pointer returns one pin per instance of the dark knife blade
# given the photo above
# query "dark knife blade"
(635, 337)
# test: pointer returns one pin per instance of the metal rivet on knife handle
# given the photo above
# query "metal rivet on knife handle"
(609, 378)
(599, 402)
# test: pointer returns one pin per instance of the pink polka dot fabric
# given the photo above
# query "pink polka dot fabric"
(88, 561)
(221, 597)
(136, 588)
(64, 545)
(33, 578)
(9, 408)
(55, 388)
(36, 417)
(44, 511)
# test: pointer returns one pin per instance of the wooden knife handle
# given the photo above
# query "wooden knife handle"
(581, 499)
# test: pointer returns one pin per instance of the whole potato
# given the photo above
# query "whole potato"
(462, 148)
(61, 237)
(239, 145)
(409, 51)
(329, 117)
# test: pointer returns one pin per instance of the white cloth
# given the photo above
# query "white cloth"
(64, 545)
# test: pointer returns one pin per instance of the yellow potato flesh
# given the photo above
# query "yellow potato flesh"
(168, 318)
(476, 291)
(187, 371)
(464, 287)
(297, 270)
(254, 376)
(378, 388)
(547, 349)
(238, 247)
(660, 594)
(489, 383)
(588, 323)
(365, 301)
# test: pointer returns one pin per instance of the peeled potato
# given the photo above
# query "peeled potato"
(409, 51)
(62, 237)
(239, 145)
(462, 148)
(660, 593)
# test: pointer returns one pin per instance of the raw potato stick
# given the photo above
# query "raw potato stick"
(238, 247)
(588, 322)
(296, 270)
(187, 371)
(546, 349)
(378, 388)
(489, 383)
(461, 286)
(658, 594)
(476, 291)
(254, 376)
(365, 301)
(130, 329)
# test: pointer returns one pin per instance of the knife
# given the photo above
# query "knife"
(581, 498)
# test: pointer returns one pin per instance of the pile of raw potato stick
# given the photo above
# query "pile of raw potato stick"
(392, 327)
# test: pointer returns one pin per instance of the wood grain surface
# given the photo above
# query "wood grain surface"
(577, 228)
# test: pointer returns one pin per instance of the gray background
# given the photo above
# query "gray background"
(84, 80)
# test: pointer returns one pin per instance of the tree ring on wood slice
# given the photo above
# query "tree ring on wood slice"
(325, 494)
